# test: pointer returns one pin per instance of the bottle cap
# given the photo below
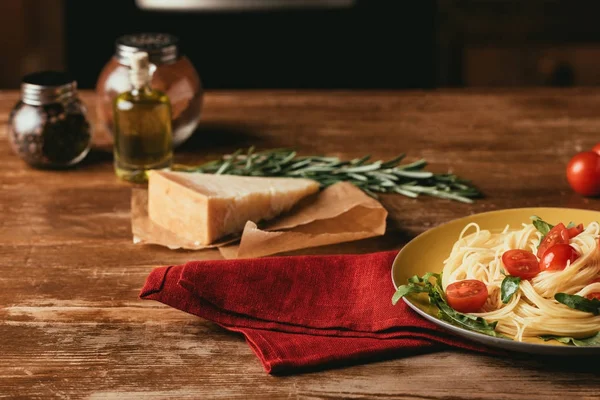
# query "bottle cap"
(161, 47)
(47, 87)
(139, 61)
(139, 69)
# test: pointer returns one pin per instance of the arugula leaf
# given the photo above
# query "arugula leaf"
(589, 341)
(470, 322)
(571, 225)
(509, 286)
(437, 297)
(579, 303)
(406, 289)
(415, 285)
(428, 275)
(541, 225)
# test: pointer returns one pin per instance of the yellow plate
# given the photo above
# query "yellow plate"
(426, 253)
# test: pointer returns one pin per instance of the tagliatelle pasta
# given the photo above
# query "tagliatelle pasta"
(532, 311)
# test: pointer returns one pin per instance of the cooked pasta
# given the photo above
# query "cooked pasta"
(532, 311)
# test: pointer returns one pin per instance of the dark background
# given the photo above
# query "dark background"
(394, 44)
(377, 43)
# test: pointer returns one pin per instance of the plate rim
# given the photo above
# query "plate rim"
(480, 337)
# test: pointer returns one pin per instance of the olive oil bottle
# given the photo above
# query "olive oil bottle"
(142, 125)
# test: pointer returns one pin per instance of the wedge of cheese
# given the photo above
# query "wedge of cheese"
(205, 207)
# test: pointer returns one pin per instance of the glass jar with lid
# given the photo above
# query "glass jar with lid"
(48, 127)
(172, 73)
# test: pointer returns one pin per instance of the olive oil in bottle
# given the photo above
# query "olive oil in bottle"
(142, 125)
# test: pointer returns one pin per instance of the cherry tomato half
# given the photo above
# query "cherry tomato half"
(467, 296)
(521, 263)
(595, 295)
(558, 234)
(574, 231)
(556, 257)
(583, 173)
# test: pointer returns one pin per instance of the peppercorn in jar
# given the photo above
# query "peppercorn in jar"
(48, 127)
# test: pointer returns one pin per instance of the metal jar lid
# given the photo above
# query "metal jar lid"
(161, 47)
(47, 87)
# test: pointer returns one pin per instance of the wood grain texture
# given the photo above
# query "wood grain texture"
(34, 33)
(71, 325)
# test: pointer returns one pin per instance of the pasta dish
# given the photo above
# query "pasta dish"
(537, 281)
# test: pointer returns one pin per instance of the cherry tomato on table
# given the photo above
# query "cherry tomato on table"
(596, 148)
(467, 296)
(556, 257)
(521, 263)
(557, 235)
(583, 173)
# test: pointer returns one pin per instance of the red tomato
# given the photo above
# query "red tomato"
(596, 148)
(574, 231)
(467, 296)
(558, 234)
(521, 263)
(583, 173)
(556, 257)
(595, 295)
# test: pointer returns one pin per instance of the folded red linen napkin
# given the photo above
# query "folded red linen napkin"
(300, 312)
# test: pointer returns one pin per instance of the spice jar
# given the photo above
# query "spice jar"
(48, 127)
(172, 74)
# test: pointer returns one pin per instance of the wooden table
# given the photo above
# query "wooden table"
(71, 325)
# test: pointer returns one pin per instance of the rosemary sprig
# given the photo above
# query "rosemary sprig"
(384, 177)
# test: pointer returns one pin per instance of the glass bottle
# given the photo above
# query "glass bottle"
(142, 125)
(48, 127)
(172, 73)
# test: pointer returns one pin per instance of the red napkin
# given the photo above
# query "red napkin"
(300, 312)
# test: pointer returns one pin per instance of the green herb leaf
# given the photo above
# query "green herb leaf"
(579, 303)
(429, 275)
(571, 225)
(593, 340)
(409, 180)
(509, 286)
(406, 289)
(541, 225)
(470, 322)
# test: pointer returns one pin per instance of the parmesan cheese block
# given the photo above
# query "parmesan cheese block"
(205, 207)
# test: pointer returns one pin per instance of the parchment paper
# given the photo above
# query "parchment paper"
(339, 213)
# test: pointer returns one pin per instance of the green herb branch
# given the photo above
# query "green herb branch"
(377, 176)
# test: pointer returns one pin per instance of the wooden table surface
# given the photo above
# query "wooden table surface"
(71, 325)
